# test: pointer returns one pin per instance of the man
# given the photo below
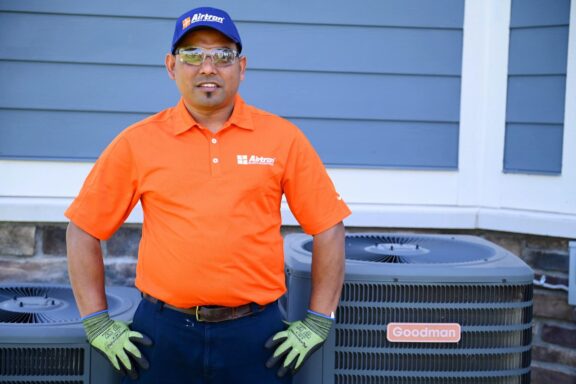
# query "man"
(210, 174)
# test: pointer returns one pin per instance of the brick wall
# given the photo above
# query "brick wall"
(36, 253)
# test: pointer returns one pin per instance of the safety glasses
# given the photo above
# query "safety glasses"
(221, 57)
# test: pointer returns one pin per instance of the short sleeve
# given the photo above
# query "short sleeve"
(109, 193)
(309, 191)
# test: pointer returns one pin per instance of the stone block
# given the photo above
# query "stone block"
(510, 243)
(560, 335)
(54, 241)
(545, 242)
(286, 229)
(542, 375)
(553, 305)
(552, 354)
(17, 239)
(121, 273)
(547, 260)
(125, 242)
(53, 271)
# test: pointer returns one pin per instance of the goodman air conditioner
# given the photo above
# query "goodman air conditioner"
(42, 339)
(419, 309)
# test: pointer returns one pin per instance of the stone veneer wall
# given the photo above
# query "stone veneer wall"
(37, 253)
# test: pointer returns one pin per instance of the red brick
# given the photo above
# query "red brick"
(553, 354)
(558, 335)
(547, 376)
(553, 305)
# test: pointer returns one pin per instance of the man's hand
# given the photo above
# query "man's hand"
(114, 339)
(298, 342)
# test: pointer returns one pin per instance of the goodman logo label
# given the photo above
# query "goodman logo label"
(423, 332)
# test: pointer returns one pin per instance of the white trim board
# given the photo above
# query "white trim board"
(43, 209)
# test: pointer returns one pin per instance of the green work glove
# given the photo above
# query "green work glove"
(298, 342)
(114, 339)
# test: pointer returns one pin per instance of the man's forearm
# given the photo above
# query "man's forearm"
(328, 263)
(86, 270)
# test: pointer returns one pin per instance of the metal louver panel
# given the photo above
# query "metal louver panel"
(367, 379)
(49, 361)
(42, 382)
(438, 362)
(495, 320)
(427, 293)
(433, 314)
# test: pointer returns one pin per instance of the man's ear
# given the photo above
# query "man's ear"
(170, 63)
(242, 68)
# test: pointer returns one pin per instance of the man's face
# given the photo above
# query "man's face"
(206, 88)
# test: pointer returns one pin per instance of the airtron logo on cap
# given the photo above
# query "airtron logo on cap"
(254, 160)
(201, 17)
(423, 332)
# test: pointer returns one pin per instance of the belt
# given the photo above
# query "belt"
(212, 314)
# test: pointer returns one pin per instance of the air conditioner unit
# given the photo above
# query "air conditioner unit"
(42, 339)
(419, 309)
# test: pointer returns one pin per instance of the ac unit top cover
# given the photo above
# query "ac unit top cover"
(399, 257)
(49, 310)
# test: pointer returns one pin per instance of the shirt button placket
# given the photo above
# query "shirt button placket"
(215, 156)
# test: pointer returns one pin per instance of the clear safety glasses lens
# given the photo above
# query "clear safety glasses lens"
(221, 57)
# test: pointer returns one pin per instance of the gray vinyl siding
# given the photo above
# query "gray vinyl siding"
(371, 86)
(536, 86)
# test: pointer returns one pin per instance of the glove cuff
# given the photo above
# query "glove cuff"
(319, 324)
(95, 324)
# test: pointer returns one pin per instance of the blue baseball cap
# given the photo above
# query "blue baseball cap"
(206, 17)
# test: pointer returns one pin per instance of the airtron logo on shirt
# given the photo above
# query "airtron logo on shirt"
(254, 160)
(201, 17)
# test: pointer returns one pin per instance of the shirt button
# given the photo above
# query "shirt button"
(214, 141)
(215, 160)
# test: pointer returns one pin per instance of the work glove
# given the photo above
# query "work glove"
(298, 342)
(115, 340)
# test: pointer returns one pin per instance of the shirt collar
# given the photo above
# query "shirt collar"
(240, 117)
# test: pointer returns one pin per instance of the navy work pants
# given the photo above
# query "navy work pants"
(186, 351)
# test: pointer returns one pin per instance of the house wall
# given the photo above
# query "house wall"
(412, 127)
(353, 81)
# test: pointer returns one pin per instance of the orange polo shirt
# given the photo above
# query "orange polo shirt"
(211, 202)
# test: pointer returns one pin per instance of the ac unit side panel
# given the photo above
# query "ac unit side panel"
(42, 339)
(298, 297)
(101, 370)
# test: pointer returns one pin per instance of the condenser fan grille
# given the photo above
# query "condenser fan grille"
(406, 249)
(37, 305)
(54, 304)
